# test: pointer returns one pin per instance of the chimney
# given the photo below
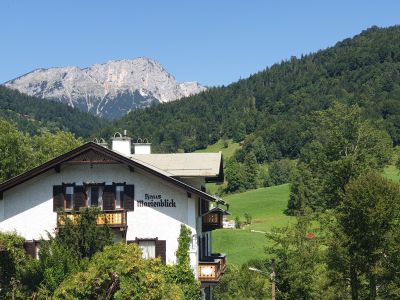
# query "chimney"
(100, 142)
(121, 143)
(142, 146)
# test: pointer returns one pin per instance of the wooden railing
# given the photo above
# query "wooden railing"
(211, 268)
(113, 218)
(212, 221)
(222, 258)
(209, 271)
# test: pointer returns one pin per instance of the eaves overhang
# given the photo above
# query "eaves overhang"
(56, 162)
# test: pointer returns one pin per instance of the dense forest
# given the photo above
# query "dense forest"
(32, 114)
(271, 108)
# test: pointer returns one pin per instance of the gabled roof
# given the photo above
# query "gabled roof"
(94, 153)
(208, 165)
(217, 209)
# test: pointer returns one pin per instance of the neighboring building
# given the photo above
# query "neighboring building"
(229, 224)
(144, 197)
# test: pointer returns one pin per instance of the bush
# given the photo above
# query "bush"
(18, 272)
(238, 222)
(241, 283)
(85, 237)
(56, 263)
(248, 218)
(119, 272)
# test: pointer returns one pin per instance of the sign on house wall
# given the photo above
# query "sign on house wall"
(156, 200)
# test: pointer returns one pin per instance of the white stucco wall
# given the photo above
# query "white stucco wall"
(28, 207)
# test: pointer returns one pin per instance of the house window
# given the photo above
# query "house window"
(119, 196)
(37, 250)
(69, 195)
(148, 248)
(203, 244)
(94, 194)
(32, 248)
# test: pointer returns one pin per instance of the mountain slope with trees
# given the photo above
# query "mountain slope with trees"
(32, 114)
(271, 108)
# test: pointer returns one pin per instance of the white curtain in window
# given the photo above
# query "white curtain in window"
(120, 194)
(148, 249)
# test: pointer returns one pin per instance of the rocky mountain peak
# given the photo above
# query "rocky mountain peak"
(110, 89)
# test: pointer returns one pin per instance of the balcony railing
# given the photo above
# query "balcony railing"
(222, 258)
(211, 268)
(212, 220)
(112, 218)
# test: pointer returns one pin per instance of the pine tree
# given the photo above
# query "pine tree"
(250, 171)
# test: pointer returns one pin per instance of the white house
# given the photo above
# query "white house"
(144, 197)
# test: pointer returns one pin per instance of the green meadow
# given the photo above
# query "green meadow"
(266, 206)
(219, 146)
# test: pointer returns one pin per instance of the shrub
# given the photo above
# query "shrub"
(18, 271)
(238, 222)
(248, 218)
(119, 272)
(241, 283)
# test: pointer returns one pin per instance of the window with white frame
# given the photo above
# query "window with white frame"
(119, 196)
(94, 195)
(148, 248)
(69, 195)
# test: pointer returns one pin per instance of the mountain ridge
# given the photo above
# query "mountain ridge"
(110, 89)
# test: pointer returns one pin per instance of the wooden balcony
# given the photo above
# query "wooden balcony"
(111, 218)
(211, 268)
(222, 258)
(212, 219)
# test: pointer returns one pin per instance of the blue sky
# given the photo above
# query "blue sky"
(214, 42)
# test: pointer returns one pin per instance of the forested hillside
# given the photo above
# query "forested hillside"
(31, 114)
(272, 107)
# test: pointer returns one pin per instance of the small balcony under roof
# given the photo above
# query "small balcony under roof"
(212, 219)
(211, 268)
(111, 218)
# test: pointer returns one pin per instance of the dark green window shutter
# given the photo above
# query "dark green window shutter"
(109, 197)
(129, 201)
(58, 197)
(161, 249)
(79, 197)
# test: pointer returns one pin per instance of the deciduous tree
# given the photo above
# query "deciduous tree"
(366, 229)
(344, 146)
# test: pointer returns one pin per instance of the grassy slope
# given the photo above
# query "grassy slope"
(266, 206)
(219, 146)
